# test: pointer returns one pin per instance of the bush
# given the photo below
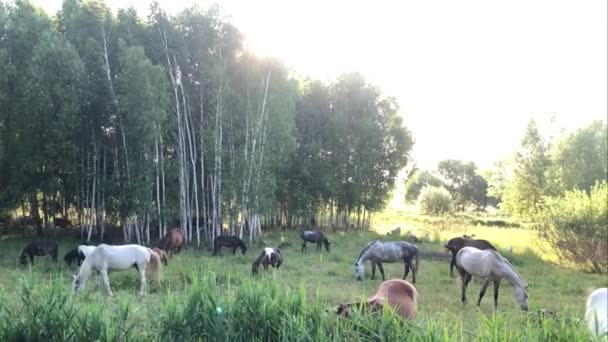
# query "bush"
(434, 201)
(576, 228)
(417, 182)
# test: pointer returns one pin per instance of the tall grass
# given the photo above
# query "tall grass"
(254, 311)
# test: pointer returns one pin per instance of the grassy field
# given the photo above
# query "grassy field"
(310, 284)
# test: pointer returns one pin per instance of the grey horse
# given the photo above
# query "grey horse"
(489, 265)
(378, 252)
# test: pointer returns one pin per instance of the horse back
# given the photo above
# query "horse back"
(398, 294)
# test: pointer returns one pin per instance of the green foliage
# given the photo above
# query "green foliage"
(526, 192)
(577, 231)
(434, 201)
(580, 159)
(416, 182)
(463, 182)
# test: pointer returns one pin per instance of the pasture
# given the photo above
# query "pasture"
(203, 297)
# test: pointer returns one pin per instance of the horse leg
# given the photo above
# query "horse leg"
(496, 286)
(31, 259)
(303, 246)
(407, 263)
(482, 292)
(466, 278)
(142, 280)
(373, 270)
(452, 264)
(319, 247)
(106, 281)
(234, 251)
(381, 269)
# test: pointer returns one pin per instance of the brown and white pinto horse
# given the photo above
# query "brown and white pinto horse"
(269, 256)
(397, 294)
(173, 241)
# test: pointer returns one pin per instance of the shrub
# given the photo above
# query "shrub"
(434, 201)
(576, 227)
(417, 182)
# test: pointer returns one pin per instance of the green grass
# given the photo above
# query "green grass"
(291, 303)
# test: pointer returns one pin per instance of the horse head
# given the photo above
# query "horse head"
(327, 243)
(75, 284)
(521, 295)
(359, 271)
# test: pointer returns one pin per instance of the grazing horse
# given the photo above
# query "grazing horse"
(490, 266)
(456, 244)
(38, 248)
(596, 314)
(378, 252)
(173, 241)
(107, 258)
(285, 244)
(61, 222)
(397, 294)
(229, 242)
(314, 236)
(269, 256)
(79, 254)
(161, 254)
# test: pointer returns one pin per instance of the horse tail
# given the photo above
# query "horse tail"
(154, 265)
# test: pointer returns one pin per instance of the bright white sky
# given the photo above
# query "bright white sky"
(468, 74)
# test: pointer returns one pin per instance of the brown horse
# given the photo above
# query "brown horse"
(397, 294)
(162, 255)
(173, 241)
(456, 244)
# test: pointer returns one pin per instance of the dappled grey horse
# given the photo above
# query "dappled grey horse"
(315, 236)
(489, 265)
(378, 252)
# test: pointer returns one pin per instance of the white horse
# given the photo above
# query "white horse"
(106, 258)
(489, 265)
(597, 312)
(85, 250)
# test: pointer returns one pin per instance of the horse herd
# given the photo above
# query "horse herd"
(471, 257)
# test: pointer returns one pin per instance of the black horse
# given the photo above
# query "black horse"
(229, 242)
(269, 256)
(74, 255)
(38, 248)
(314, 236)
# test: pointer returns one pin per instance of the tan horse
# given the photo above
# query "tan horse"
(397, 294)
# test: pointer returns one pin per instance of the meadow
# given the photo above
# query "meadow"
(216, 298)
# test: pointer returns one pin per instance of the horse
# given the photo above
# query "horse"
(285, 244)
(377, 252)
(314, 236)
(229, 242)
(61, 222)
(489, 265)
(78, 253)
(397, 294)
(173, 241)
(107, 258)
(456, 244)
(161, 254)
(38, 248)
(269, 256)
(596, 313)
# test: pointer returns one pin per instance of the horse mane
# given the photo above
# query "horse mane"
(154, 264)
(508, 263)
(365, 249)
